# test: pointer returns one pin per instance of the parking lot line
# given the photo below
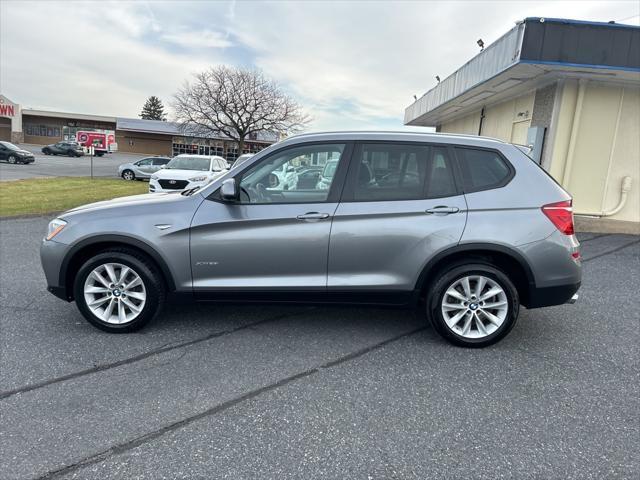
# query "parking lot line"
(136, 442)
(142, 356)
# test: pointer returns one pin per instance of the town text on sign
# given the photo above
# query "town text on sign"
(7, 110)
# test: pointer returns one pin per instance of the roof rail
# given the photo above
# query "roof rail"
(395, 132)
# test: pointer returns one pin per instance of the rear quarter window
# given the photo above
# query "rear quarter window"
(483, 169)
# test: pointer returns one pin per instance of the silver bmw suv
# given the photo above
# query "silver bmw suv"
(465, 228)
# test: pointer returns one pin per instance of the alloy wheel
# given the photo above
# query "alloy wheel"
(115, 293)
(474, 306)
(128, 175)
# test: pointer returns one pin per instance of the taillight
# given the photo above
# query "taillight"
(561, 215)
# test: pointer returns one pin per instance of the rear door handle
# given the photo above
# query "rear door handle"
(313, 216)
(442, 210)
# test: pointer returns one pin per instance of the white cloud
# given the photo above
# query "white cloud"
(67, 61)
(351, 64)
(199, 39)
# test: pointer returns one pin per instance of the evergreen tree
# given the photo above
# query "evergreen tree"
(153, 109)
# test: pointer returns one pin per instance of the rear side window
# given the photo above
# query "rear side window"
(401, 172)
(482, 169)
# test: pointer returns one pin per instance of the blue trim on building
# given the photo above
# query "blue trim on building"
(580, 65)
(565, 21)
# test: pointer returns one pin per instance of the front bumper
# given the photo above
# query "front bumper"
(52, 255)
(155, 187)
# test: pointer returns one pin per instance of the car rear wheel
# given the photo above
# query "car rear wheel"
(473, 305)
(128, 175)
(119, 291)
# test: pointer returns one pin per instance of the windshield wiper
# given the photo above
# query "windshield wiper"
(189, 191)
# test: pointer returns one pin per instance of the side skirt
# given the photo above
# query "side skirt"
(342, 297)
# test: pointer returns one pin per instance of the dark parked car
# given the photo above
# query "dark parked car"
(12, 154)
(71, 149)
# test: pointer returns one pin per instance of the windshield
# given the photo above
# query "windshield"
(189, 163)
(10, 146)
(242, 158)
(329, 169)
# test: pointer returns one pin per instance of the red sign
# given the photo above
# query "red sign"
(98, 140)
(7, 110)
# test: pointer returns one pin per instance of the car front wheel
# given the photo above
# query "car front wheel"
(119, 291)
(12, 159)
(128, 175)
(473, 305)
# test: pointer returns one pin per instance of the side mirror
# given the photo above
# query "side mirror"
(273, 180)
(229, 190)
(290, 169)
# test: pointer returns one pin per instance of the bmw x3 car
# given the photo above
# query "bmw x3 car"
(467, 229)
(185, 172)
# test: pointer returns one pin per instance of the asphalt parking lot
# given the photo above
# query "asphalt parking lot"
(59, 166)
(244, 391)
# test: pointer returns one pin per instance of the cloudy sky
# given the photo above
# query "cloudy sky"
(350, 64)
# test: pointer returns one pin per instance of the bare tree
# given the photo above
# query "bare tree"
(237, 103)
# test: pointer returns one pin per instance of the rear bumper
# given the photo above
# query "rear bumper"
(548, 296)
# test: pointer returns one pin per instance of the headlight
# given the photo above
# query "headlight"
(55, 227)
(201, 178)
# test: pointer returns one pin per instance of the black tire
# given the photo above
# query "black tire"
(437, 291)
(126, 172)
(149, 274)
(46, 151)
(12, 159)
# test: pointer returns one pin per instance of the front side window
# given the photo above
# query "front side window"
(160, 161)
(482, 169)
(276, 179)
(402, 172)
(144, 162)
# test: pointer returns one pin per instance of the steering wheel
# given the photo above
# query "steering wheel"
(261, 191)
(256, 194)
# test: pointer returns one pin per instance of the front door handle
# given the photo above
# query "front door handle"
(313, 216)
(442, 210)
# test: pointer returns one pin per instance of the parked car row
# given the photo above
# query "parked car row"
(179, 173)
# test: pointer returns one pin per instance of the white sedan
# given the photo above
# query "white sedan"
(187, 171)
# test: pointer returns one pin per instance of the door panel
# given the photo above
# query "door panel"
(145, 166)
(401, 206)
(270, 238)
(260, 247)
(385, 245)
